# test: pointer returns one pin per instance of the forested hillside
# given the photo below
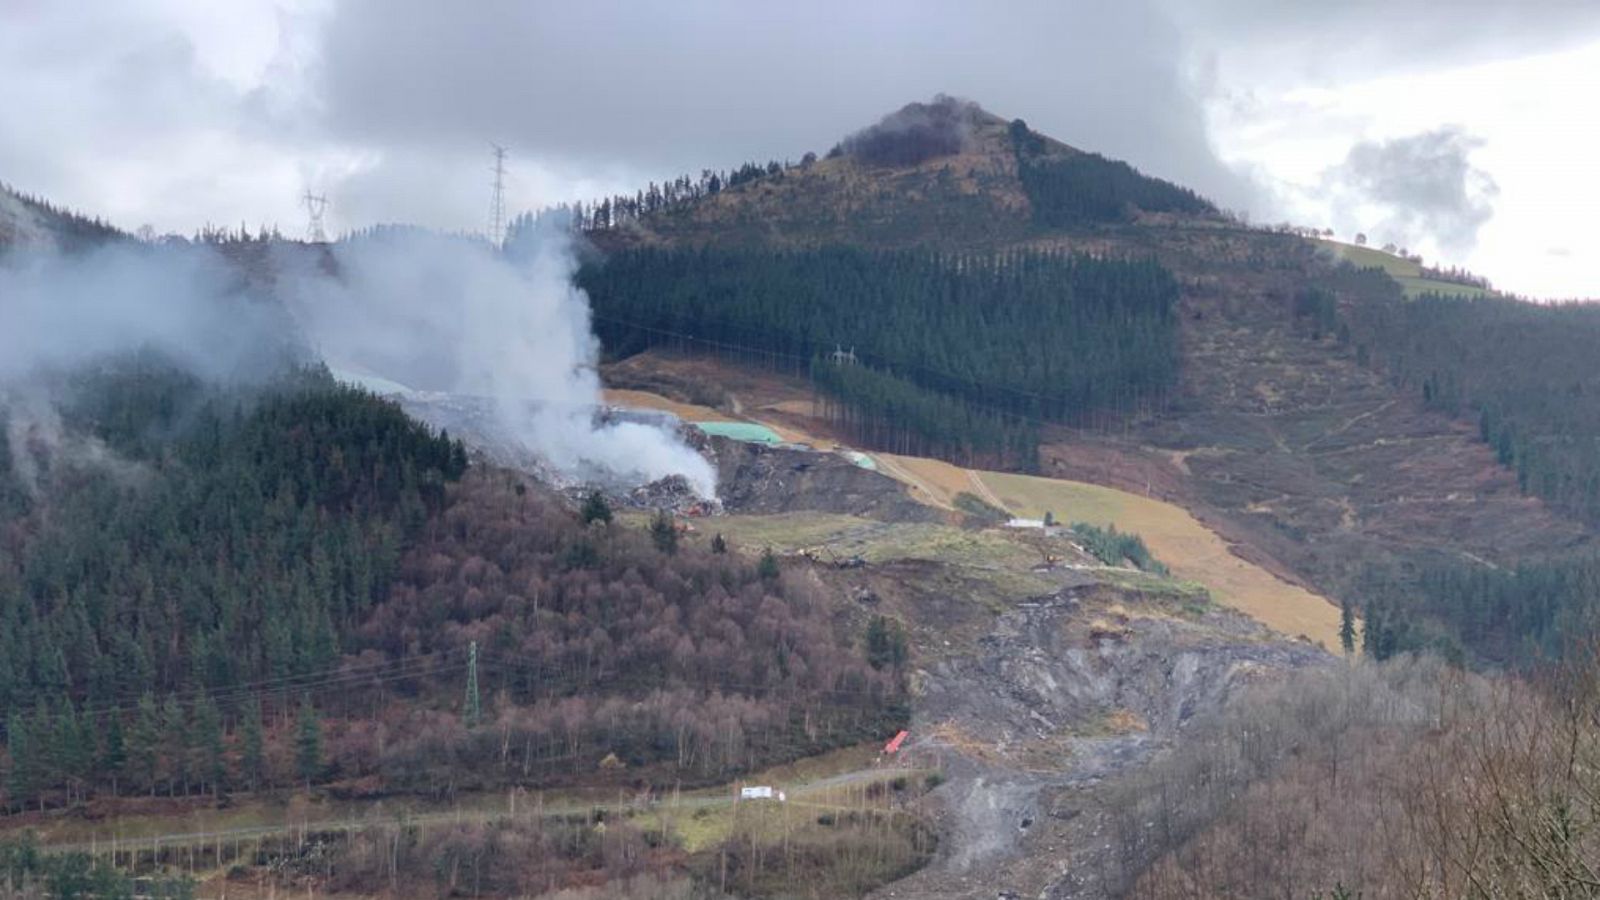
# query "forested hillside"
(948, 355)
(1075, 189)
(1524, 372)
(182, 609)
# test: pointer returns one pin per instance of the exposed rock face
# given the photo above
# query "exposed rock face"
(1061, 697)
(754, 478)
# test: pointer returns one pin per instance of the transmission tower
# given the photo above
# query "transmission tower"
(497, 204)
(473, 710)
(316, 205)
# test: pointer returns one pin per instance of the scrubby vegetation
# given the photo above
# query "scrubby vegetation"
(1405, 780)
(950, 356)
(28, 874)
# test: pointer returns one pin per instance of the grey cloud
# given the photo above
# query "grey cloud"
(1425, 185)
(1355, 39)
(669, 87)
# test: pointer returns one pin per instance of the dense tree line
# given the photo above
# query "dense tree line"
(879, 409)
(278, 587)
(1034, 335)
(1117, 548)
(1535, 611)
(1077, 188)
(1523, 371)
(70, 230)
(672, 196)
(236, 539)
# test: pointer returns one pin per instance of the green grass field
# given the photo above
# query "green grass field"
(1404, 271)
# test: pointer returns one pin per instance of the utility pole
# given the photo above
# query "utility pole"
(316, 205)
(473, 712)
(497, 204)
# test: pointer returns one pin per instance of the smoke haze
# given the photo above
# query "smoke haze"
(429, 312)
(450, 315)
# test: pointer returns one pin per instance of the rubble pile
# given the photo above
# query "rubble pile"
(673, 494)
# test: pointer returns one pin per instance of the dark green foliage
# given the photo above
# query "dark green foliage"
(1537, 610)
(25, 776)
(767, 568)
(144, 743)
(241, 537)
(257, 529)
(1388, 630)
(664, 532)
(209, 764)
(1347, 626)
(886, 643)
(596, 509)
(307, 741)
(1523, 372)
(1115, 548)
(252, 746)
(952, 355)
(1317, 311)
(1069, 188)
(718, 544)
(881, 410)
(28, 872)
(113, 751)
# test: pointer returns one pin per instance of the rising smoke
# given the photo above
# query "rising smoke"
(452, 316)
(62, 312)
(434, 313)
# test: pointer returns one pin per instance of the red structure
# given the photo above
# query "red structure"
(894, 745)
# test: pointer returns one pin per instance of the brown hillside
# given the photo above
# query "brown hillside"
(1284, 443)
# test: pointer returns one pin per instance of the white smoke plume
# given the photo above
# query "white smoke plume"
(429, 312)
(60, 312)
(38, 441)
(453, 316)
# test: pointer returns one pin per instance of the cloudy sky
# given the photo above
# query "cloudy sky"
(1464, 130)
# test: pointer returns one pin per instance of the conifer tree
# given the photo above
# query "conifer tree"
(1347, 627)
(210, 763)
(24, 778)
(596, 509)
(175, 744)
(252, 746)
(144, 742)
(308, 742)
(664, 532)
(113, 752)
(767, 568)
